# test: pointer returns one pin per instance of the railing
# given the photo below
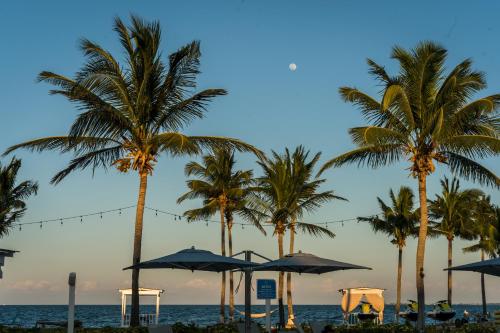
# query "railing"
(145, 319)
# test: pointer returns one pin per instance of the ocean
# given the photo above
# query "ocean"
(109, 315)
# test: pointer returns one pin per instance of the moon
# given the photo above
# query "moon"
(292, 67)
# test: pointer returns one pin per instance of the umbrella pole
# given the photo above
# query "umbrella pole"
(248, 294)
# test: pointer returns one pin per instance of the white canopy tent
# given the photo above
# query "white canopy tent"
(352, 297)
(147, 318)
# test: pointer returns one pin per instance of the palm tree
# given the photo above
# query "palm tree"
(12, 195)
(220, 186)
(131, 113)
(423, 117)
(302, 171)
(287, 193)
(485, 229)
(452, 208)
(400, 221)
(241, 203)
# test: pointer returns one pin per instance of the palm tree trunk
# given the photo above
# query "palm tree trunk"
(450, 254)
(139, 215)
(400, 271)
(222, 315)
(422, 236)
(483, 291)
(231, 280)
(290, 322)
(280, 282)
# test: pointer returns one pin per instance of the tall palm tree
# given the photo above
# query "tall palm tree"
(400, 221)
(131, 112)
(485, 229)
(423, 117)
(241, 203)
(12, 195)
(287, 193)
(302, 171)
(220, 186)
(453, 210)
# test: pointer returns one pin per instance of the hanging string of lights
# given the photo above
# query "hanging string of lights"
(177, 217)
(74, 218)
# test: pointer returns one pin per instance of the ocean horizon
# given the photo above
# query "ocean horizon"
(202, 315)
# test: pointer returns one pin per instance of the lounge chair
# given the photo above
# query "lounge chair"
(160, 329)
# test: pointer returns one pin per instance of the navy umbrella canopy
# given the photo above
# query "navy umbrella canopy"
(195, 260)
(305, 263)
(491, 267)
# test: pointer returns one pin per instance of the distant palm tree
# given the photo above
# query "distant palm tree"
(288, 192)
(132, 113)
(400, 221)
(485, 229)
(424, 117)
(12, 195)
(222, 189)
(453, 210)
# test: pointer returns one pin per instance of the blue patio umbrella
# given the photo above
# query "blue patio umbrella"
(195, 260)
(305, 263)
(491, 267)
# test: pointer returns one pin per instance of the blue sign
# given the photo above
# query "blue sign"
(266, 289)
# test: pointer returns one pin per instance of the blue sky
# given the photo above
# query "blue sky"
(247, 47)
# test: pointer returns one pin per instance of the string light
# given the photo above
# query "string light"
(176, 218)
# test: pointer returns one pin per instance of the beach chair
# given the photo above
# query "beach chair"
(317, 326)
(160, 329)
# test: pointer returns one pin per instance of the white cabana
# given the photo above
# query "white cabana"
(146, 319)
(5, 253)
(352, 297)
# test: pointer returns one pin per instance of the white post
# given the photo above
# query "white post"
(71, 302)
(157, 308)
(268, 315)
(124, 307)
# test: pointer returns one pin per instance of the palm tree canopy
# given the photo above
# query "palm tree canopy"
(400, 218)
(288, 190)
(132, 111)
(217, 180)
(424, 116)
(453, 208)
(485, 228)
(13, 195)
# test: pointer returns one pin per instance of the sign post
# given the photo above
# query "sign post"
(266, 289)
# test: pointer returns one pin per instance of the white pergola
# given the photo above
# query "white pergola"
(142, 292)
(5, 253)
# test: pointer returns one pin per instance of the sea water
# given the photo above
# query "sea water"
(109, 315)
